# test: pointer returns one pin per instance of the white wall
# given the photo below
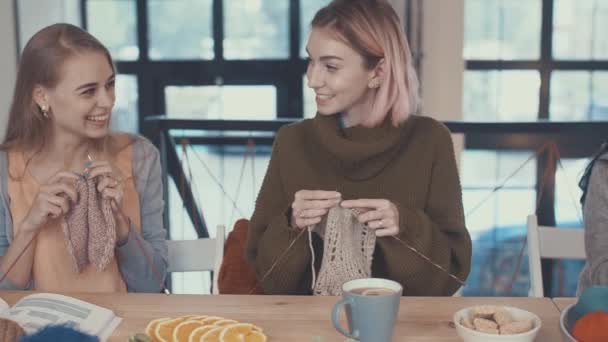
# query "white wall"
(443, 65)
(7, 61)
(34, 15)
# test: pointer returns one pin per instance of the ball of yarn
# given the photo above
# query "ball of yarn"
(59, 333)
(591, 327)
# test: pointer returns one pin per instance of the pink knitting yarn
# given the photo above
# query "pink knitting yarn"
(89, 227)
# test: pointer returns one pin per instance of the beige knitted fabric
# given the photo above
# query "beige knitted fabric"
(348, 249)
(89, 227)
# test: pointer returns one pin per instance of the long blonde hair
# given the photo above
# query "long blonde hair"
(40, 64)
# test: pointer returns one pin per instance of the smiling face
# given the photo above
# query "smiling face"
(81, 103)
(338, 75)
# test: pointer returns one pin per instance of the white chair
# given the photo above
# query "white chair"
(198, 255)
(551, 243)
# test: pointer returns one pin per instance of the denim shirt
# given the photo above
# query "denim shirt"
(595, 213)
(142, 259)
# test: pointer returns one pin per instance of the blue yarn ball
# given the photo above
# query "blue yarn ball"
(62, 333)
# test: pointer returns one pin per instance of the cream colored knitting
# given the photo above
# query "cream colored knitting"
(348, 249)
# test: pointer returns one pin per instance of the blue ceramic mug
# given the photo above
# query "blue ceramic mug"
(371, 306)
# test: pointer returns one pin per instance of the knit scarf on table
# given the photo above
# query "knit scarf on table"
(89, 227)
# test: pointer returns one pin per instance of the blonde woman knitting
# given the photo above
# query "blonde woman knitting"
(364, 153)
(81, 206)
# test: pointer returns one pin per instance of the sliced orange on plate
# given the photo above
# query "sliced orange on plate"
(212, 335)
(151, 328)
(183, 330)
(164, 329)
(193, 328)
(195, 335)
(241, 332)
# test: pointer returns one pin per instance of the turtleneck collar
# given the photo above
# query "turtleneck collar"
(359, 152)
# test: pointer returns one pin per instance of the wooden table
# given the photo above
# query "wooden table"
(562, 302)
(298, 318)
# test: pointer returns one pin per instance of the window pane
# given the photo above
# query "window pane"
(114, 23)
(502, 29)
(180, 29)
(218, 183)
(256, 29)
(567, 193)
(125, 114)
(579, 95)
(308, 9)
(222, 102)
(501, 95)
(579, 29)
(498, 167)
(497, 220)
(567, 214)
(310, 105)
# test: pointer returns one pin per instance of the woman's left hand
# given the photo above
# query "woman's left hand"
(378, 214)
(110, 186)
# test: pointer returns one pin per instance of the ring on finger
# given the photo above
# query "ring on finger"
(380, 224)
(301, 213)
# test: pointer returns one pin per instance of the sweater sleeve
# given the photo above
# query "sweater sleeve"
(270, 237)
(596, 223)
(143, 257)
(438, 231)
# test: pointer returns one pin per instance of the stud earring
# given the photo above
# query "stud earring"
(45, 111)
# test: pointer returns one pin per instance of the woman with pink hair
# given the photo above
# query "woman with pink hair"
(364, 151)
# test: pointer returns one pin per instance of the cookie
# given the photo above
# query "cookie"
(516, 327)
(483, 311)
(502, 317)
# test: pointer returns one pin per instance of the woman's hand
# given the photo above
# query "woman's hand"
(378, 214)
(309, 206)
(52, 200)
(110, 186)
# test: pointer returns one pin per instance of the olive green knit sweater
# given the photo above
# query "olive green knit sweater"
(413, 166)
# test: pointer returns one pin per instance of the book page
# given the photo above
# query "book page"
(3, 306)
(38, 310)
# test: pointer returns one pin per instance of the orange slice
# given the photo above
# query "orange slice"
(212, 335)
(225, 322)
(241, 332)
(151, 328)
(164, 329)
(183, 330)
(195, 335)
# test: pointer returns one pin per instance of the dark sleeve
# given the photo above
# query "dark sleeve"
(437, 232)
(270, 236)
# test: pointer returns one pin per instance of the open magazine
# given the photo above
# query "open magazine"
(38, 310)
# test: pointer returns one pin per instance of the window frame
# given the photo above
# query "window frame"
(154, 75)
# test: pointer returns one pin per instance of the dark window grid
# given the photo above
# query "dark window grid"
(153, 76)
(545, 65)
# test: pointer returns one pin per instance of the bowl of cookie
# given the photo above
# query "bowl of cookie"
(490, 323)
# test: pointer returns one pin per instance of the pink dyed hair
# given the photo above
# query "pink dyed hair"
(372, 28)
